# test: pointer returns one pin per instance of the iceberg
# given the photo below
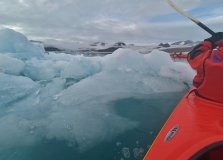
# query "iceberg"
(69, 97)
(18, 46)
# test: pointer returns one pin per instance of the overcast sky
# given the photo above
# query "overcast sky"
(130, 21)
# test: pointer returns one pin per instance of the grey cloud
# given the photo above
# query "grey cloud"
(69, 21)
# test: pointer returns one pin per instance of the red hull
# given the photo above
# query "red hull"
(194, 124)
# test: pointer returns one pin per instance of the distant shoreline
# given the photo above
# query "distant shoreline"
(172, 50)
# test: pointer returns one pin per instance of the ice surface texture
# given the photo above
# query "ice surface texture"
(68, 97)
(18, 45)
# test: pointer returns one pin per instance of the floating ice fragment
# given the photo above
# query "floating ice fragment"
(126, 152)
(118, 144)
(138, 152)
(141, 150)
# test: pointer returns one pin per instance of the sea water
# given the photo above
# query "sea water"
(60, 106)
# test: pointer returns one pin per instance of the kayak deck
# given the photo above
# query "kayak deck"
(193, 129)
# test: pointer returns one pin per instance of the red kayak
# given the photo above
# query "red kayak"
(194, 131)
(174, 55)
(180, 55)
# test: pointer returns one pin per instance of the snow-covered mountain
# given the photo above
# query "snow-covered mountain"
(187, 42)
(179, 43)
(164, 45)
(98, 44)
(179, 46)
(103, 48)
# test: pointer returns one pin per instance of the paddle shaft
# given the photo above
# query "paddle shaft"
(206, 28)
(190, 17)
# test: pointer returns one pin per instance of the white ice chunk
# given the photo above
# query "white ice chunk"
(156, 59)
(123, 59)
(80, 68)
(41, 69)
(10, 65)
(18, 45)
(13, 88)
(40, 46)
(178, 71)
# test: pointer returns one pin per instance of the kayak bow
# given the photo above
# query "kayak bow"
(194, 131)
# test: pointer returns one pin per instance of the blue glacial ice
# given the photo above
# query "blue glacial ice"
(67, 97)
